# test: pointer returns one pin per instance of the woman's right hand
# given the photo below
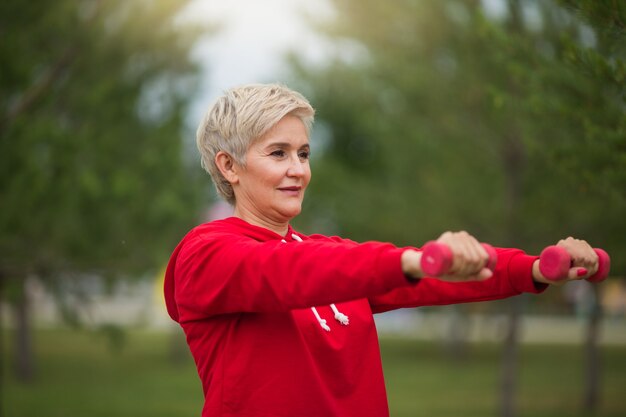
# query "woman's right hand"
(469, 259)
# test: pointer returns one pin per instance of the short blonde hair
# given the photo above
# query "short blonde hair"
(239, 117)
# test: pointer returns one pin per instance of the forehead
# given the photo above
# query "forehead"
(288, 131)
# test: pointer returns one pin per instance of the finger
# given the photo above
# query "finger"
(581, 253)
(484, 274)
(478, 256)
(595, 264)
(469, 256)
(482, 255)
(577, 273)
(459, 249)
(573, 248)
(591, 261)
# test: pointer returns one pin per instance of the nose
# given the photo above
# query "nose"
(296, 167)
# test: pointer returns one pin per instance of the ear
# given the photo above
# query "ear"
(227, 166)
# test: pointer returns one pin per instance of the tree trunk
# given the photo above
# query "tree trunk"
(25, 363)
(592, 356)
(3, 297)
(178, 350)
(455, 340)
(513, 158)
(510, 359)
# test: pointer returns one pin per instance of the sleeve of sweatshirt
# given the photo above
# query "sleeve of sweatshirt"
(230, 273)
(512, 276)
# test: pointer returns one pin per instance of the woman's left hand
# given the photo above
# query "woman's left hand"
(584, 262)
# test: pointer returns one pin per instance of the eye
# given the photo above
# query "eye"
(279, 153)
(304, 155)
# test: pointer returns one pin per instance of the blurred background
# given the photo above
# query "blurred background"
(506, 118)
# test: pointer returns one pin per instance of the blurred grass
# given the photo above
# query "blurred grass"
(422, 380)
(79, 375)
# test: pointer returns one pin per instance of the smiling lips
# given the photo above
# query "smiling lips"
(293, 190)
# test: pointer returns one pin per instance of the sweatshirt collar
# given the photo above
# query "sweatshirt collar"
(258, 232)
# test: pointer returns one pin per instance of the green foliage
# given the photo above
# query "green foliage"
(444, 115)
(92, 174)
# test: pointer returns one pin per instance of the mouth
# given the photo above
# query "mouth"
(293, 190)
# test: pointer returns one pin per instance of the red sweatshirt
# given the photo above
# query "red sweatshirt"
(243, 295)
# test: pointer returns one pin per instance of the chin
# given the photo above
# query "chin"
(291, 212)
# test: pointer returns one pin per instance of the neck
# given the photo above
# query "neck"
(277, 227)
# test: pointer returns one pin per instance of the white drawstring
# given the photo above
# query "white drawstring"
(339, 316)
(320, 320)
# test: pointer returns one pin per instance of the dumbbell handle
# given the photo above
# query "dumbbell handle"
(437, 258)
(555, 262)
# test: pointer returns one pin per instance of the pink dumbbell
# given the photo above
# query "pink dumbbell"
(437, 258)
(555, 262)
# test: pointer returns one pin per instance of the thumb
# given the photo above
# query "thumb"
(484, 274)
(577, 273)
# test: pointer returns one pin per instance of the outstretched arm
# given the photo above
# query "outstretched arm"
(515, 273)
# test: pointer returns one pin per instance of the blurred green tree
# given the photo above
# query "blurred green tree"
(93, 177)
(444, 110)
(503, 118)
(601, 56)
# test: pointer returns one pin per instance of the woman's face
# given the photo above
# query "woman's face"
(271, 186)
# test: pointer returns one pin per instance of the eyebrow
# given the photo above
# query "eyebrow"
(285, 145)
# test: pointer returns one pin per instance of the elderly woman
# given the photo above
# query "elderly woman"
(280, 323)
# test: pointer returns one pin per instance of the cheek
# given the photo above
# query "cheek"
(269, 177)
(270, 183)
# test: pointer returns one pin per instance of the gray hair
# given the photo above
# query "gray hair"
(241, 116)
